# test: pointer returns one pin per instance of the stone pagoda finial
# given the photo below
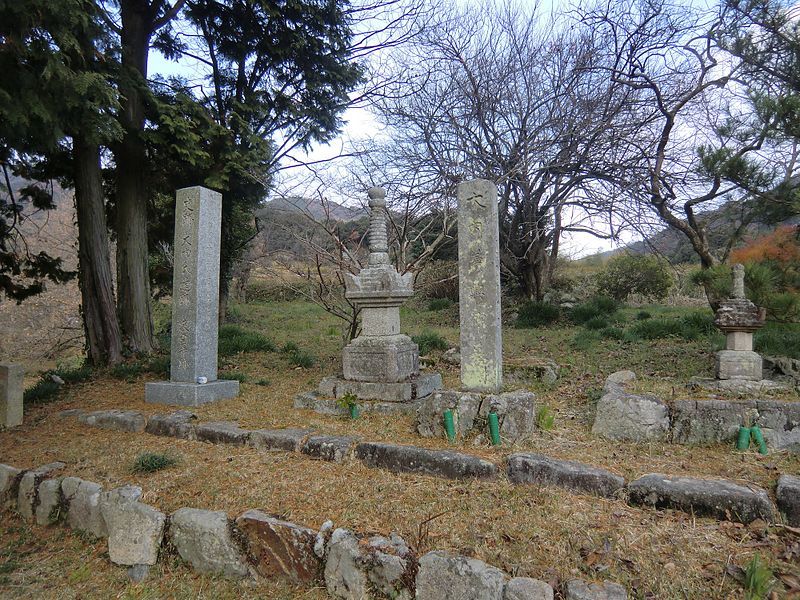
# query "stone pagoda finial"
(378, 242)
(738, 281)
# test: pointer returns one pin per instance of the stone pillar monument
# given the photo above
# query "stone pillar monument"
(738, 318)
(11, 391)
(479, 287)
(195, 304)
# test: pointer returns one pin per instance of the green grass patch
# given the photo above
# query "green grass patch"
(150, 462)
(237, 375)
(545, 419)
(46, 389)
(596, 323)
(429, 341)
(643, 315)
(599, 306)
(235, 340)
(440, 304)
(778, 339)
(298, 357)
(537, 314)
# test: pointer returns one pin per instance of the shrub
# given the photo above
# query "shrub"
(429, 341)
(233, 340)
(777, 340)
(596, 323)
(545, 419)
(656, 328)
(41, 392)
(598, 306)
(758, 580)
(440, 304)
(127, 371)
(697, 324)
(238, 376)
(642, 274)
(73, 375)
(439, 279)
(584, 339)
(612, 333)
(643, 315)
(537, 314)
(298, 357)
(149, 462)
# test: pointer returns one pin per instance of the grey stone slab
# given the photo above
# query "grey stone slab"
(567, 474)
(380, 359)
(464, 405)
(203, 539)
(412, 459)
(345, 572)
(135, 530)
(525, 588)
(49, 508)
(788, 495)
(190, 394)
(9, 484)
(332, 448)
(417, 387)
(577, 589)
(83, 501)
(117, 420)
(738, 364)
(327, 406)
(287, 440)
(70, 413)
(707, 497)
(443, 576)
(179, 424)
(222, 432)
(699, 422)
(631, 417)
(388, 561)
(12, 386)
(479, 287)
(28, 492)
(516, 414)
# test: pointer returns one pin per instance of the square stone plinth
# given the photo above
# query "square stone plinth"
(402, 391)
(189, 394)
(385, 359)
(738, 364)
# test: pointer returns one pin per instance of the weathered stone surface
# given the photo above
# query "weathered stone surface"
(49, 507)
(619, 378)
(280, 548)
(738, 387)
(195, 309)
(328, 406)
(788, 494)
(345, 576)
(83, 500)
(203, 539)
(417, 386)
(738, 364)
(380, 359)
(479, 287)
(27, 494)
(287, 440)
(715, 498)
(9, 484)
(178, 424)
(577, 589)
(531, 372)
(621, 415)
(70, 413)
(138, 573)
(222, 432)
(516, 414)
(525, 588)
(443, 576)
(12, 387)
(387, 561)
(567, 474)
(782, 368)
(329, 447)
(135, 530)
(698, 422)
(117, 420)
(465, 407)
(412, 459)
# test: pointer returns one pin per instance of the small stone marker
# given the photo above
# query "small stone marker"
(195, 305)
(11, 388)
(479, 287)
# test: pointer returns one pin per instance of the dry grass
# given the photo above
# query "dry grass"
(544, 533)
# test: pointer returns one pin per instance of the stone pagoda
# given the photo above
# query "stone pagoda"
(381, 364)
(738, 318)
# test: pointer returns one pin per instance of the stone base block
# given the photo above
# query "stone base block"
(379, 359)
(742, 387)
(403, 391)
(189, 394)
(327, 406)
(738, 364)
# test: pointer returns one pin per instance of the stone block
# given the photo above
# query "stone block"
(135, 530)
(479, 287)
(388, 561)
(577, 589)
(618, 378)
(443, 576)
(203, 539)
(49, 507)
(83, 501)
(380, 359)
(116, 420)
(571, 475)
(788, 494)
(417, 386)
(279, 548)
(28, 492)
(530, 373)
(286, 440)
(345, 575)
(736, 364)
(189, 394)
(332, 448)
(630, 417)
(222, 432)
(412, 459)
(9, 484)
(741, 341)
(328, 406)
(706, 497)
(179, 424)
(525, 588)
(698, 422)
(12, 388)
(516, 414)
(465, 407)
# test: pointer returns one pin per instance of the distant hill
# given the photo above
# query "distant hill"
(313, 207)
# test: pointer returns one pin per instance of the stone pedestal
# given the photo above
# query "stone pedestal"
(11, 392)
(738, 364)
(479, 287)
(195, 305)
(380, 359)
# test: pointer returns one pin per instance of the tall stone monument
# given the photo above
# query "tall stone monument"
(479, 287)
(11, 391)
(195, 305)
(381, 364)
(738, 318)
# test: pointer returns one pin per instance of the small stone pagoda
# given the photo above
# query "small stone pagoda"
(738, 319)
(381, 364)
